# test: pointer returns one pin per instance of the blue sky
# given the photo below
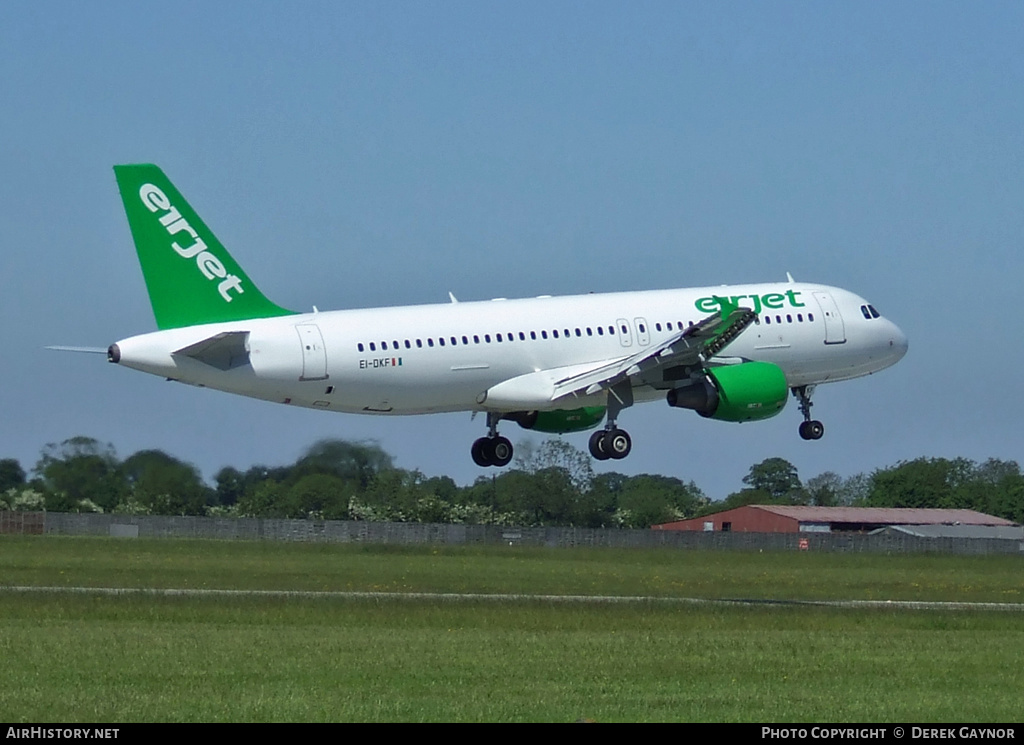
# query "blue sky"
(367, 154)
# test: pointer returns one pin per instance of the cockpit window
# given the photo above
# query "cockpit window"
(874, 313)
(865, 312)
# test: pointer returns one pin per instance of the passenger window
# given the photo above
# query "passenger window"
(600, 330)
(440, 340)
(476, 339)
(487, 338)
(383, 345)
(497, 337)
(543, 334)
(430, 342)
(800, 317)
(579, 333)
(810, 317)
(407, 344)
(465, 340)
(789, 318)
(533, 335)
(522, 336)
(373, 348)
(657, 327)
(768, 320)
(555, 333)
(419, 344)
(360, 346)
(589, 331)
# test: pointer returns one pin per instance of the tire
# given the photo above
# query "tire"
(499, 451)
(618, 443)
(596, 445)
(479, 452)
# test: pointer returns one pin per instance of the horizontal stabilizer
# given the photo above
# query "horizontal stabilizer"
(224, 351)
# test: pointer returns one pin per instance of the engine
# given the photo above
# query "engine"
(735, 393)
(559, 421)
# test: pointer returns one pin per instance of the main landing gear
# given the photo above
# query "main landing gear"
(612, 442)
(493, 450)
(810, 429)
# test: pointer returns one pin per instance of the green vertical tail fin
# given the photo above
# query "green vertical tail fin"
(190, 276)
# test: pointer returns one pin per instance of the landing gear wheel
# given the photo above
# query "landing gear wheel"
(597, 446)
(499, 451)
(479, 452)
(812, 429)
(618, 443)
(491, 451)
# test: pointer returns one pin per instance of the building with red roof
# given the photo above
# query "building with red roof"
(774, 518)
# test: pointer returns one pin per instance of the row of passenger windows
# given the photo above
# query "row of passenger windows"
(466, 340)
(789, 318)
(512, 336)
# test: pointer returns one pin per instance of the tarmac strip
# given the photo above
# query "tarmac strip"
(455, 597)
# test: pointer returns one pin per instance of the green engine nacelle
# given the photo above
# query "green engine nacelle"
(735, 393)
(559, 421)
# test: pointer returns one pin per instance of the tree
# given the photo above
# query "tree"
(647, 500)
(777, 478)
(12, 475)
(555, 453)
(353, 461)
(824, 489)
(78, 469)
(164, 485)
(319, 495)
(924, 482)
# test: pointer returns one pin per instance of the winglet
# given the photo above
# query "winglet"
(727, 307)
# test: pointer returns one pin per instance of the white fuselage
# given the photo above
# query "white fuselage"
(437, 358)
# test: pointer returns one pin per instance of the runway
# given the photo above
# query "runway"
(460, 597)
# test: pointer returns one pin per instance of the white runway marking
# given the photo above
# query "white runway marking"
(456, 597)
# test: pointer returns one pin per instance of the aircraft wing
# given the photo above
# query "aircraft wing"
(690, 347)
(693, 346)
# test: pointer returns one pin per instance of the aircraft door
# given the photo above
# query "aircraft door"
(835, 329)
(625, 335)
(643, 334)
(314, 353)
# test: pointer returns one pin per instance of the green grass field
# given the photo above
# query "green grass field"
(74, 657)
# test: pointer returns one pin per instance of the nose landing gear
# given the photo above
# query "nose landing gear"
(810, 429)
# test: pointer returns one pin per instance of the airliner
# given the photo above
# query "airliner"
(550, 364)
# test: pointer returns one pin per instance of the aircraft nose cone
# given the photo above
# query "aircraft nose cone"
(898, 343)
